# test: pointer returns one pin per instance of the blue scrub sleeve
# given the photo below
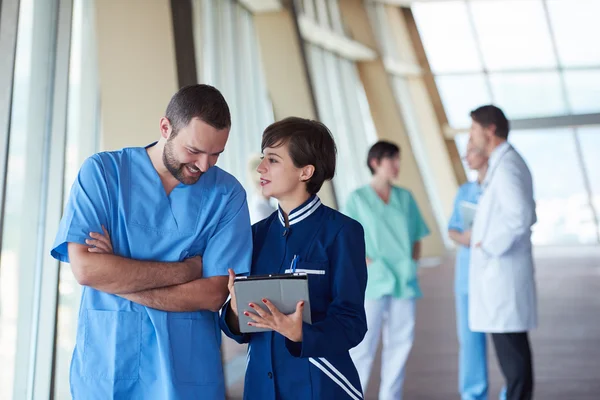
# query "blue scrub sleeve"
(455, 222)
(419, 229)
(242, 338)
(86, 211)
(345, 324)
(231, 244)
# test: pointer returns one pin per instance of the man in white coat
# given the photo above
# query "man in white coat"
(502, 290)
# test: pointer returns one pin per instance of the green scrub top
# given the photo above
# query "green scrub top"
(391, 230)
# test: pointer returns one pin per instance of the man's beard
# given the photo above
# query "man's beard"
(176, 168)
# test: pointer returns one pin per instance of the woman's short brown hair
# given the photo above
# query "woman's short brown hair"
(309, 143)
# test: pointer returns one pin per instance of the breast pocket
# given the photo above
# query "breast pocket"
(195, 348)
(150, 244)
(318, 281)
(112, 345)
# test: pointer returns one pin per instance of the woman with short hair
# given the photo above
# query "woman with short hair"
(294, 359)
(394, 229)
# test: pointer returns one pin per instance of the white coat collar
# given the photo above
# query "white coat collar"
(498, 153)
(493, 162)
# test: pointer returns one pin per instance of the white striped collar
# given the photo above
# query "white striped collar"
(302, 212)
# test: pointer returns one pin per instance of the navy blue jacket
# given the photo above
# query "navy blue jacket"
(320, 366)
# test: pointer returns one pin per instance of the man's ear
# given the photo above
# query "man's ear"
(306, 173)
(490, 131)
(165, 127)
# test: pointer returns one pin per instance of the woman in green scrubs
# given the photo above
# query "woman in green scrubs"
(394, 229)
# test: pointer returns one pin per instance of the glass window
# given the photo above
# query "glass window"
(381, 29)
(349, 120)
(528, 95)
(513, 34)
(322, 14)
(231, 62)
(589, 138)
(403, 92)
(307, 8)
(81, 141)
(336, 17)
(363, 129)
(460, 95)
(521, 43)
(12, 270)
(447, 36)
(583, 91)
(576, 30)
(564, 213)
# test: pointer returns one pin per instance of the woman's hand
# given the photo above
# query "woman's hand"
(100, 243)
(289, 326)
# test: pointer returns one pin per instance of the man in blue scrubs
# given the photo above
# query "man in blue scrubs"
(148, 326)
(472, 366)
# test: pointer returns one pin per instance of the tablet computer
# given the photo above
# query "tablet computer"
(467, 211)
(283, 290)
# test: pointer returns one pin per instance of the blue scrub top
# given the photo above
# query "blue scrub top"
(469, 192)
(128, 351)
(331, 249)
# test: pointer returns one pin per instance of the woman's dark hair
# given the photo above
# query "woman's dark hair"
(309, 143)
(381, 150)
(492, 115)
(198, 101)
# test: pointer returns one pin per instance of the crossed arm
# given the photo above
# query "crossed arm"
(175, 286)
(199, 294)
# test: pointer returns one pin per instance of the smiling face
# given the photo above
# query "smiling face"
(192, 150)
(279, 177)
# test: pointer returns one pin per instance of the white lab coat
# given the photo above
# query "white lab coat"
(502, 293)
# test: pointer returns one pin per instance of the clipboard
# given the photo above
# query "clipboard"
(467, 212)
(283, 290)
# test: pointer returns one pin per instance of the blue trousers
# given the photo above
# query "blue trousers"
(472, 356)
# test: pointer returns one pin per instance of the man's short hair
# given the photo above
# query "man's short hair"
(198, 101)
(309, 142)
(381, 150)
(491, 115)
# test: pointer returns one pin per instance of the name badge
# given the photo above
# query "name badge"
(307, 271)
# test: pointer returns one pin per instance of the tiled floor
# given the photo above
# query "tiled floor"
(566, 345)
